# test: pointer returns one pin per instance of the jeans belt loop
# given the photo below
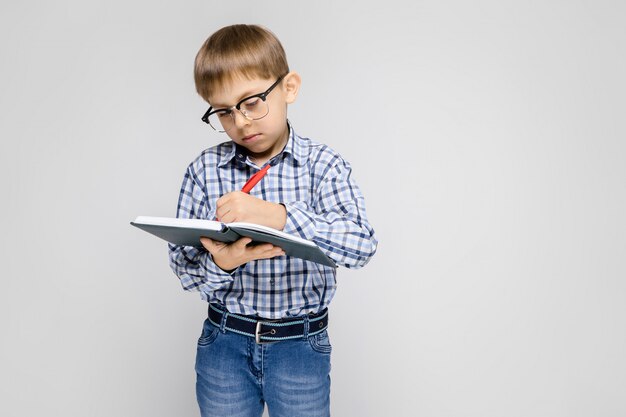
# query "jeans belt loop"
(305, 335)
(223, 323)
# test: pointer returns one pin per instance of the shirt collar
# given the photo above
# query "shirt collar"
(295, 147)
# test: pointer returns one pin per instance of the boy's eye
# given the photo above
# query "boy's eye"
(224, 114)
(250, 104)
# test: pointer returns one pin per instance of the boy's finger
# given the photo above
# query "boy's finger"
(211, 245)
(274, 253)
(223, 200)
(264, 248)
(270, 251)
(243, 242)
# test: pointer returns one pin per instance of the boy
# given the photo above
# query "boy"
(265, 340)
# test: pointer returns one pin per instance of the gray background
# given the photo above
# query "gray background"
(487, 137)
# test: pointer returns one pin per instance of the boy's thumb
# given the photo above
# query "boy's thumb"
(208, 243)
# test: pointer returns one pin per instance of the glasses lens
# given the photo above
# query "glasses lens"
(254, 108)
(221, 121)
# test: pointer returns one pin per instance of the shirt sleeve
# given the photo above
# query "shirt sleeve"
(337, 221)
(194, 266)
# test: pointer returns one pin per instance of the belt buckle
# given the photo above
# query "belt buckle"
(258, 335)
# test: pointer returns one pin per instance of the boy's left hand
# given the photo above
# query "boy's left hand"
(241, 207)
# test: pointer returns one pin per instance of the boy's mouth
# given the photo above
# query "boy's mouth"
(250, 138)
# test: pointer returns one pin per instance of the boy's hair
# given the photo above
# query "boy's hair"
(247, 50)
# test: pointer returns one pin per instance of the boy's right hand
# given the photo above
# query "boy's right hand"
(229, 256)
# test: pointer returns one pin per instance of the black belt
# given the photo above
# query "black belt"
(266, 330)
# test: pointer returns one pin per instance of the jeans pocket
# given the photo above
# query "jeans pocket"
(209, 334)
(321, 343)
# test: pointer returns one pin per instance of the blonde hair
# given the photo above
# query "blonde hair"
(238, 50)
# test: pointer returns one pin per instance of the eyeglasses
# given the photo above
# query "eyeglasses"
(252, 108)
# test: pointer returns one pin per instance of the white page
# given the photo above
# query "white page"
(188, 223)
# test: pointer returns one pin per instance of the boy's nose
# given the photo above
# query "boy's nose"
(240, 119)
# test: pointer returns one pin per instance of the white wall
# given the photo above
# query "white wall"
(487, 137)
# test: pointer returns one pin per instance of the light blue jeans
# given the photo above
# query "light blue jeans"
(236, 376)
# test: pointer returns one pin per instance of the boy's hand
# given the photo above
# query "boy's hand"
(229, 256)
(241, 207)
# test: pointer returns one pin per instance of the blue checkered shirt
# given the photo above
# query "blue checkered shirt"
(323, 204)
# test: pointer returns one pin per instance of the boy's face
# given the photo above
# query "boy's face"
(265, 137)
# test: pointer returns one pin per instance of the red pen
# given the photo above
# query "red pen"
(249, 185)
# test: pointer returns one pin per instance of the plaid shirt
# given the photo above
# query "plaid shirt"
(323, 204)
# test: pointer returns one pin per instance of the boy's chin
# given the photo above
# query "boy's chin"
(255, 148)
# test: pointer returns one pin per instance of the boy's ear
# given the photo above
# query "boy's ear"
(291, 85)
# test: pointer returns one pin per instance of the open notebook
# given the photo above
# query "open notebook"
(187, 232)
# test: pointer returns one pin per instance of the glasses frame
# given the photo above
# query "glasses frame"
(229, 110)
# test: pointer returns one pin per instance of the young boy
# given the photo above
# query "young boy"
(265, 340)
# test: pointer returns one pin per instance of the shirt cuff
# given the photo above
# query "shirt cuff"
(210, 265)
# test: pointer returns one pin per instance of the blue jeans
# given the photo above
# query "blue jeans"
(236, 376)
